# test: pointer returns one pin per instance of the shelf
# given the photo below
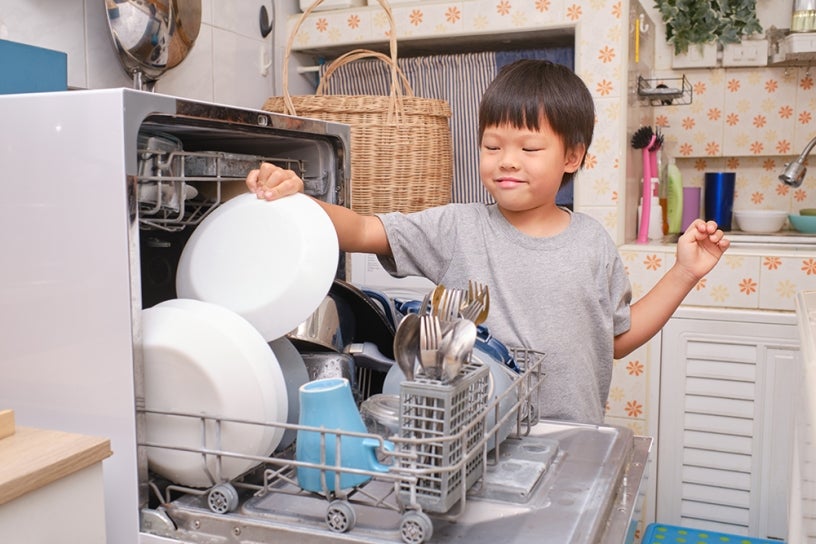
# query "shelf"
(671, 91)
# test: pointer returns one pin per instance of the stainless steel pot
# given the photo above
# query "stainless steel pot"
(321, 331)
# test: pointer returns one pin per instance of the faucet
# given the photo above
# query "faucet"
(794, 172)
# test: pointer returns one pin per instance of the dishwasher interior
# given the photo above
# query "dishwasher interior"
(445, 476)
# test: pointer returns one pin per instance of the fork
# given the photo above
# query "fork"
(449, 304)
(472, 309)
(430, 336)
(482, 292)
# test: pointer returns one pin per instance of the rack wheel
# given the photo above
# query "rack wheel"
(340, 516)
(222, 498)
(416, 527)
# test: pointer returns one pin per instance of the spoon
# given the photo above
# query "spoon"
(406, 344)
(456, 347)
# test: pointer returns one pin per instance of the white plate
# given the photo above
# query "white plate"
(295, 374)
(270, 262)
(193, 365)
(263, 360)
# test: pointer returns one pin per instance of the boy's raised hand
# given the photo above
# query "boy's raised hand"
(271, 182)
(700, 247)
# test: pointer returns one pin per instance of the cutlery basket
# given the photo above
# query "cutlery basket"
(443, 424)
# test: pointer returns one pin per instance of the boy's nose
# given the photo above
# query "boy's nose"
(508, 161)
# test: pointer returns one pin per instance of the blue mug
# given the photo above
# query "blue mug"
(329, 403)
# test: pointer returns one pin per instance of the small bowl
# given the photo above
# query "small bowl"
(760, 221)
(807, 211)
(803, 223)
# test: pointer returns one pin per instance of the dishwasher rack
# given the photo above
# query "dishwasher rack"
(413, 468)
(178, 188)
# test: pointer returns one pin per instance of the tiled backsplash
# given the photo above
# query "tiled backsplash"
(748, 120)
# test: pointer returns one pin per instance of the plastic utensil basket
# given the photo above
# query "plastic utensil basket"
(434, 420)
(401, 150)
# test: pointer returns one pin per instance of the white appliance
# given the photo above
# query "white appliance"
(77, 268)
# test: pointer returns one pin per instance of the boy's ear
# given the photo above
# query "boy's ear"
(574, 158)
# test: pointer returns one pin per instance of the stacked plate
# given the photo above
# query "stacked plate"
(201, 358)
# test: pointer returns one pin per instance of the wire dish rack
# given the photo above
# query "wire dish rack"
(441, 451)
(178, 188)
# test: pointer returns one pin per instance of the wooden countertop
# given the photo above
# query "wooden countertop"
(33, 458)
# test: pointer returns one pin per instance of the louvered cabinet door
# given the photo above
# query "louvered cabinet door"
(725, 433)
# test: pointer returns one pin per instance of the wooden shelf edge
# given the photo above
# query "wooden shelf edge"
(33, 458)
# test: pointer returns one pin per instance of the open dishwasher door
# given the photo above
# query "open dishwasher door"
(562, 483)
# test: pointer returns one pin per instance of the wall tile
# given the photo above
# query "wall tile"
(239, 16)
(234, 52)
(758, 112)
(193, 78)
(53, 25)
(782, 277)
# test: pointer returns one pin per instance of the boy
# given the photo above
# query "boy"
(556, 279)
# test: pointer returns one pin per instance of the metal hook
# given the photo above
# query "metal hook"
(643, 25)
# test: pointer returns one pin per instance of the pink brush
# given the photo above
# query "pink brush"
(644, 139)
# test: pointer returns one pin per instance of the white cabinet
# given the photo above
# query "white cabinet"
(725, 433)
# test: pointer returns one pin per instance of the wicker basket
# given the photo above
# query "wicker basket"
(401, 154)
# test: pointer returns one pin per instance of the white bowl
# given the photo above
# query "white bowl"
(760, 221)
(270, 262)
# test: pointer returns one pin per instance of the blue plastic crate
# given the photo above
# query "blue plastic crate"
(659, 533)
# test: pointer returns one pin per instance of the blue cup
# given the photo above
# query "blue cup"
(329, 403)
(719, 198)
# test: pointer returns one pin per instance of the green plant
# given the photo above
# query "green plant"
(703, 21)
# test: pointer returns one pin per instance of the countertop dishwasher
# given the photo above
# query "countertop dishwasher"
(103, 187)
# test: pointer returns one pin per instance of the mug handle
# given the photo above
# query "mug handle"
(372, 445)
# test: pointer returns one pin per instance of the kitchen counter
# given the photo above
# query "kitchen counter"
(758, 272)
(53, 476)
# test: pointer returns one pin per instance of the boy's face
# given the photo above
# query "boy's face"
(522, 169)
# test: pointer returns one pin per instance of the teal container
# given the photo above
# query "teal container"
(28, 69)
(660, 533)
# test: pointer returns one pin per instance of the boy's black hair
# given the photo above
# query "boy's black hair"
(527, 91)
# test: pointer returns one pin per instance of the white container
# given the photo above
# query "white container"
(747, 53)
(760, 221)
(800, 43)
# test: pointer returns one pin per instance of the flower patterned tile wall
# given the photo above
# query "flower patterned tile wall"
(748, 120)
(600, 59)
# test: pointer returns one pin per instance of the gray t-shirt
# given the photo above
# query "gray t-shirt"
(567, 295)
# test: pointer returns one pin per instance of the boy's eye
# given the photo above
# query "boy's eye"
(530, 149)
(491, 147)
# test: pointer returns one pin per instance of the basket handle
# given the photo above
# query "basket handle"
(289, 106)
(357, 54)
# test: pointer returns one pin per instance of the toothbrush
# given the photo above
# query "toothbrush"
(644, 139)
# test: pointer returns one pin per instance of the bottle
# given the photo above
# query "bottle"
(655, 229)
(661, 192)
(804, 16)
(674, 198)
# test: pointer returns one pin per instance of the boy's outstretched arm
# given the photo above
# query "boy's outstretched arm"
(698, 251)
(355, 233)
